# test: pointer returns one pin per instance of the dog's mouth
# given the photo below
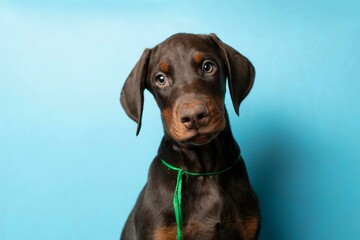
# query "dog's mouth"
(197, 129)
(197, 136)
(203, 135)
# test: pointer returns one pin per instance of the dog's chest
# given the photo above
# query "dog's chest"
(203, 199)
(204, 216)
(203, 213)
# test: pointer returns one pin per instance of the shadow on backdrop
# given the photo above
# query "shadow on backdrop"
(275, 150)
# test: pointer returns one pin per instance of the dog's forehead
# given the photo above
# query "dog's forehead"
(183, 46)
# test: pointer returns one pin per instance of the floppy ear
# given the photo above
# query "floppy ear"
(240, 72)
(132, 93)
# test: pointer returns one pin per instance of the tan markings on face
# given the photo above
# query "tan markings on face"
(179, 132)
(198, 57)
(167, 116)
(165, 233)
(250, 227)
(164, 66)
(219, 102)
(174, 127)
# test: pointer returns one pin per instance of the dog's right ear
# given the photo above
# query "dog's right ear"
(132, 93)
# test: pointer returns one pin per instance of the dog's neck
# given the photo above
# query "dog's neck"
(204, 158)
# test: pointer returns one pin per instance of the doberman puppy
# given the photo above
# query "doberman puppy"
(187, 75)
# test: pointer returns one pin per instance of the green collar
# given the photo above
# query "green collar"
(177, 194)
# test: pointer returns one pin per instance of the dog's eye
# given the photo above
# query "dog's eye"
(208, 66)
(161, 80)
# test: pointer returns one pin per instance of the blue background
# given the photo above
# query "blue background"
(70, 164)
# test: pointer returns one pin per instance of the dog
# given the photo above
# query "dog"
(198, 186)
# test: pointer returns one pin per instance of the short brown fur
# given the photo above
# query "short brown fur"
(164, 67)
(198, 57)
(197, 138)
(165, 233)
(250, 227)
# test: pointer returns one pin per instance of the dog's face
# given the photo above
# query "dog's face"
(187, 78)
(186, 75)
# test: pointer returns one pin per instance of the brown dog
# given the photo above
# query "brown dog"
(186, 74)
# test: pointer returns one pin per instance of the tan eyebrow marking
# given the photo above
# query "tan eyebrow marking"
(198, 57)
(164, 66)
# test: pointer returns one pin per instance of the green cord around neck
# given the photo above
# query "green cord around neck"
(177, 194)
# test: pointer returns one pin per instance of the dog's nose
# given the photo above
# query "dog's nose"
(194, 117)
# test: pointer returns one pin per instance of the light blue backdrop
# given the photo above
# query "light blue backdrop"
(70, 164)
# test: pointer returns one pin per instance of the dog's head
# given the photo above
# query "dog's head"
(186, 75)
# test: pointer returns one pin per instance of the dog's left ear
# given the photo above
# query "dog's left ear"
(240, 72)
(132, 93)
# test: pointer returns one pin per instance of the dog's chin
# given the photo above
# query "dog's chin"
(200, 139)
(196, 137)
